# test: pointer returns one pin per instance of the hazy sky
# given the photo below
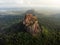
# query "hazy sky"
(30, 3)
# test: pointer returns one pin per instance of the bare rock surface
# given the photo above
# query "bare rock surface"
(31, 24)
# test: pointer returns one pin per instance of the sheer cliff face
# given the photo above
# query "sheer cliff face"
(31, 24)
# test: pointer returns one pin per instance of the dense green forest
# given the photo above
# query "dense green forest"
(50, 31)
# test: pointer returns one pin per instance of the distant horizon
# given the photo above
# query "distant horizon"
(45, 11)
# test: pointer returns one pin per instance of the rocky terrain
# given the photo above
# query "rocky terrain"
(31, 24)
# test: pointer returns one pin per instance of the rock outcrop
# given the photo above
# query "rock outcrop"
(31, 24)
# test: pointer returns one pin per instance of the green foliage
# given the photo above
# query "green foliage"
(24, 38)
